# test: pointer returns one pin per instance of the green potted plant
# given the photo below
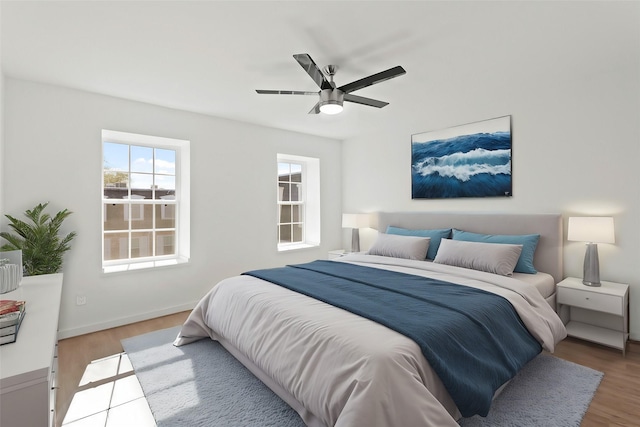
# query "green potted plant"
(42, 247)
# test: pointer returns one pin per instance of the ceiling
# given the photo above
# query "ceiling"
(210, 56)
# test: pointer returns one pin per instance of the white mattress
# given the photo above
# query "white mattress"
(543, 282)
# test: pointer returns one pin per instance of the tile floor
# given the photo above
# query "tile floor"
(109, 395)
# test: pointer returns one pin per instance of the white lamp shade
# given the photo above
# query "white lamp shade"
(355, 220)
(594, 229)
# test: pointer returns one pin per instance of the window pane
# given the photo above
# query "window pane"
(116, 157)
(141, 159)
(296, 192)
(141, 216)
(116, 246)
(141, 244)
(284, 172)
(296, 173)
(165, 243)
(296, 213)
(116, 170)
(115, 184)
(165, 216)
(285, 213)
(284, 234)
(297, 232)
(283, 192)
(115, 217)
(141, 185)
(165, 161)
(165, 186)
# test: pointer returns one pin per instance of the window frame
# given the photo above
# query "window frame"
(181, 201)
(301, 203)
(310, 202)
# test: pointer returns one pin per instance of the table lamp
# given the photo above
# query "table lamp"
(355, 222)
(592, 230)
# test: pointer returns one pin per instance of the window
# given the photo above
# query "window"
(291, 203)
(298, 201)
(145, 198)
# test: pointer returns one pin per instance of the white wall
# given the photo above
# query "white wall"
(576, 147)
(2, 159)
(1, 130)
(53, 147)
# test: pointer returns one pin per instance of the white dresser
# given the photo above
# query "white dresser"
(28, 366)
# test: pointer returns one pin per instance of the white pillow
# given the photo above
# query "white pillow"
(393, 245)
(494, 258)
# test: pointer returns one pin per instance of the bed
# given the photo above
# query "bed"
(335, 367)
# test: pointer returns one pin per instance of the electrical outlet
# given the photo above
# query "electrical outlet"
(81, 299)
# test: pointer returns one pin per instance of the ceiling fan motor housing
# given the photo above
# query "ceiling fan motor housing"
(333, 98)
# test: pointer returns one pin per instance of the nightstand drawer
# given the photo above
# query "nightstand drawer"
(590, 300)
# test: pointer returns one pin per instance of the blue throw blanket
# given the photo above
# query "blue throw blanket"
(474, 340)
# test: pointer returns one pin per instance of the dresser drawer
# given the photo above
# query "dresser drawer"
(590, 300)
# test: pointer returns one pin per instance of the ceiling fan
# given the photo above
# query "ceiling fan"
(332, 97)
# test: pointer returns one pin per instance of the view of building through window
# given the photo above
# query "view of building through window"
(139, 201)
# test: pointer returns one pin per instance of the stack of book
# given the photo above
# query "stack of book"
(11, 315)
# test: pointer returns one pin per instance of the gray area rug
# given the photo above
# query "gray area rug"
(548, 392)
(201, 384)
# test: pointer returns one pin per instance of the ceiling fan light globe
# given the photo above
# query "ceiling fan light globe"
(331, 108)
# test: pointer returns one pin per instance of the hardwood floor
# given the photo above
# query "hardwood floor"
(617, 400)
(74, 354)
(616, 403)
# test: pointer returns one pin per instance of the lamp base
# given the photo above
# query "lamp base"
(355, 240)
(591, 271)
(594, 285)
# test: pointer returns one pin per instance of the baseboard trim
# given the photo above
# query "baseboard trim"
(139, 317)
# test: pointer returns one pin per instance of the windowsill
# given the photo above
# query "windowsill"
(295, 247)
(145, 265)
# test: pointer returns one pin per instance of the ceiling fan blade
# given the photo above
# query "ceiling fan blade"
(364, 101)
(285, 92)
(315, 109)
(373, 79)
(312, 69)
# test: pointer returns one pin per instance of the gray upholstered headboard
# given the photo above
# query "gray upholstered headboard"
(548, 255)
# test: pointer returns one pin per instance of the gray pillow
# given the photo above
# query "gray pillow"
(435, 236)
(494, 258)
(529, 243)
(410, 247)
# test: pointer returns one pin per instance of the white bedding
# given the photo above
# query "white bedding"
(339, 368)
(543, 282)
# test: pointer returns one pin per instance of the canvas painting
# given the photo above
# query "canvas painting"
(471, 160)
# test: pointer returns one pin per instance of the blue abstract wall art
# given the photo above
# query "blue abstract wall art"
(471, 160)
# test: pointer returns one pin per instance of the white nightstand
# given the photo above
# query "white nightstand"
(597, 314)
(336, 253)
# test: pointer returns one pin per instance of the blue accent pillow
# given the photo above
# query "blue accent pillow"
(529, 243)
(435, 235)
